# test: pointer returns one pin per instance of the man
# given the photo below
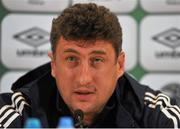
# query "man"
(87, 73)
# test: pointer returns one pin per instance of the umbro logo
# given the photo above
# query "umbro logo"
(171, 39)
(34, 37)
(28, 43)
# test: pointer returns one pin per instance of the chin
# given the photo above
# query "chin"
(86, 108)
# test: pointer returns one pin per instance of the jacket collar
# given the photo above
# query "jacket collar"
(126, 92)
(137, 88)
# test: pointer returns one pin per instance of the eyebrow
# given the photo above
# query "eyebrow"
(93, 52)
(98, 52)
(71, 50)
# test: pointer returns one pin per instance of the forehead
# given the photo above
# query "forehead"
(86, 46)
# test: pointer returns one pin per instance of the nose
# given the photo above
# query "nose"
(85, 75)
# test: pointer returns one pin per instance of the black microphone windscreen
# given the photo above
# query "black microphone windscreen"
(78, 114)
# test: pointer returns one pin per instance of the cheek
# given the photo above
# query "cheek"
(63, 77)
(64, 85)
(107, 75)
(62, 72)
(106, 82)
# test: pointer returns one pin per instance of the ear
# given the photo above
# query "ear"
(120, 64)
(51, 56)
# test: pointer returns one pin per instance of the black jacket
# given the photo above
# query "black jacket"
(131, 105)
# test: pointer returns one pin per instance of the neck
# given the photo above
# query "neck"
(89, 118)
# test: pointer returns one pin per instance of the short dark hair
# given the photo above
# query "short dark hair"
(87, 22)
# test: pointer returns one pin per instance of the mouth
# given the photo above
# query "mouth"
(84, 95)
(83, 92)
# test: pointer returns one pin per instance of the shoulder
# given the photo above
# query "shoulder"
(151, 108)
(160, 109)
(12, 106)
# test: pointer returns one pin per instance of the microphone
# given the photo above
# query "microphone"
(79, 116)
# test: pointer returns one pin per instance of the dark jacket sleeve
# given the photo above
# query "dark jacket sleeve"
(13, 110)
(160, 110)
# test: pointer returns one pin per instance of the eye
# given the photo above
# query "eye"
(96, 61)
(71, 59)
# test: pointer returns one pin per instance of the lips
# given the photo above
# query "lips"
(84, 94)
(84, 91)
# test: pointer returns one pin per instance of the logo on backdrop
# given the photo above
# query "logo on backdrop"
(171, 39)
(33, 37)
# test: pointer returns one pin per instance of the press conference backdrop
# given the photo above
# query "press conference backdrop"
(151, 38)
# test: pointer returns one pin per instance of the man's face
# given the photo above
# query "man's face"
(86, 75)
